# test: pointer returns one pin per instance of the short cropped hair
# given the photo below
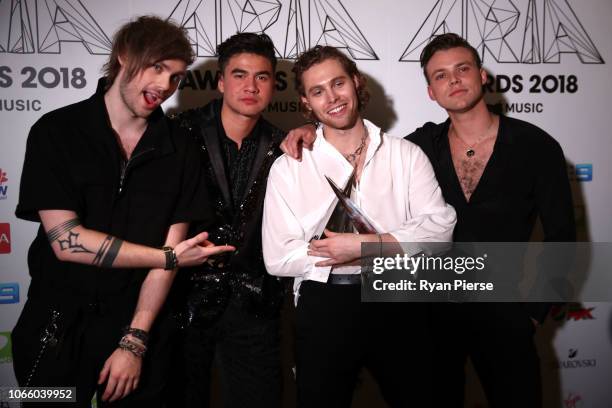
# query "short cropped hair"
(143, 42)
(252, 43)
(318, 54)
(444, 42)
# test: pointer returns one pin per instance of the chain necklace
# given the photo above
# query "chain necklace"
(352, 157)
(470, 152)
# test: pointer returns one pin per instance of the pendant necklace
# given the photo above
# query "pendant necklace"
(352, 157)
(470, 152)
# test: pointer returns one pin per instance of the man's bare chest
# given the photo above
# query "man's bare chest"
(470, 168)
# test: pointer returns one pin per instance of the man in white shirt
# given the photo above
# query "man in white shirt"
(396, 189)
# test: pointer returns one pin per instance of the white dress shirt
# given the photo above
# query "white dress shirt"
(397, 191)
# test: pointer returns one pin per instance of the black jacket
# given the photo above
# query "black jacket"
(239, 277)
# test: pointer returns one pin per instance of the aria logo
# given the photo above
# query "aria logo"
(295, 25)
(3, 186)
(6, 355)
(573, 311)
(45, 25)
(506, 31)
(535, 31)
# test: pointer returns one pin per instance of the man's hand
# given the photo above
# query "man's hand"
(196, 250)
(340, 248)
(122, 369)
(297, 139)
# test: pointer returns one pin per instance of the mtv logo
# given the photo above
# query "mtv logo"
(6, 354)
(5, 238)
(3, 186)
(9, 293)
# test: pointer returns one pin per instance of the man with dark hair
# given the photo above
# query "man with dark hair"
(230, 308)
(446, 42)
(393, 184)
(97, 174)
(500, 174)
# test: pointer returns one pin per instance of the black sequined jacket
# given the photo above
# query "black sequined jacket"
(203, 293)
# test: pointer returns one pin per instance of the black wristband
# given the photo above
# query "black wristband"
(136, 333)
(171, 260)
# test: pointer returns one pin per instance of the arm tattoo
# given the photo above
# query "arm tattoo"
(59, 230)
(72, 243)
(102, 250)
(112, 253)
(108, 252)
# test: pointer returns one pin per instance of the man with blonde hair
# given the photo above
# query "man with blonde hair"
(393, 184)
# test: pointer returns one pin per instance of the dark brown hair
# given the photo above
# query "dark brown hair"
(446, 42)
(143, 42)
(318, 54)
(259, 44)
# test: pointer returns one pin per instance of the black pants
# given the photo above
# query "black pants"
(498, 337)
(88, 335)
(246, 351)
(337, 335)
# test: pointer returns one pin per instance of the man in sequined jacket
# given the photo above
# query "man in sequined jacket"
(228, 308)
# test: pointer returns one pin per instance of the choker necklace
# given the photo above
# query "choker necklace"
(352, 157)
(470, 152)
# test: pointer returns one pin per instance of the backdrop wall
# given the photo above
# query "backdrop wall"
(547, 60)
